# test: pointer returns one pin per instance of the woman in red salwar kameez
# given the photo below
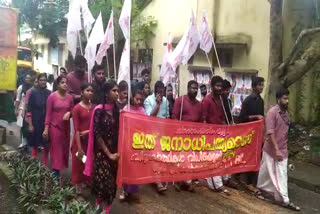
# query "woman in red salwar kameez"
(57, 126)
(81, 115)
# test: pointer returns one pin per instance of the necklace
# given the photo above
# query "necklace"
(87, 107)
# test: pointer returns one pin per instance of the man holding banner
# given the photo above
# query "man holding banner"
(213, 113)
(187, 108)
(157, 105)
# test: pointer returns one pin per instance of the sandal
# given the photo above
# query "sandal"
(223, 190)
(258, 194)
(291, 206)
(160, 188)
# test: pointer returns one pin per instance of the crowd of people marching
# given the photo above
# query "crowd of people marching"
(46, 107)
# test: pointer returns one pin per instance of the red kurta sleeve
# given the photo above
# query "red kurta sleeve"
(205, 106)
(76, 117)
(49, 108)
(176, 109)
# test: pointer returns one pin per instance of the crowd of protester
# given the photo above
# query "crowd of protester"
(68, 115)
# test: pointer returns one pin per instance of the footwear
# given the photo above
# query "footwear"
(122, 195)
(196, 182)
(258, 194)
(160, 188)
(223, 190)
(291, 206)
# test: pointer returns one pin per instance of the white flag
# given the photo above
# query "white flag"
(206, 39)
(124, 69)
(96, 37)
(187, 46)
(124, 20)
(88, 19)
(74, 26)
(108, 40)
(166, 70)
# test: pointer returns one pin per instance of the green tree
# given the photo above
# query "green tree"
(44, 17)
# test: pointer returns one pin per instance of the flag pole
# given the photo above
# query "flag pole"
(230, 112)
(114, 61)
(224, 110)
(80, 43)
(209, 63)
(181, 108)
(108, 68)
(114, 52)
(215, 50)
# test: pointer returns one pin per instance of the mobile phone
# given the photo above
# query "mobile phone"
(83, 159)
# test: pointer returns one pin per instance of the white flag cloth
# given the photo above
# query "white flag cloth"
(74, 26)
(187, 46)
(166, 70)
(206, 39)
(124, 69)
(88, 19)
(124, 20)
(108, 40)
(96, 37)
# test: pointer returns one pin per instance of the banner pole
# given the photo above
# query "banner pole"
(231, 112)
(108, 68)
(215, 50)
(181, 108)
(224, 110)
(114, 61)
(80, 43)
(209, 63)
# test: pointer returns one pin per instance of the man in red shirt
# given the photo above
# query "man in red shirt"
(213, 113)
(77, 77)
(188, 104)
(187, 108)
(273, 177)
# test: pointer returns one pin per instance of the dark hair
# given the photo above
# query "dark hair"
(157, 86)
(203, 86)
(85, 86)
(51, 77)
(123, 86)
(215, 80)
(134, 93)
(97, 67)
(80, 61)
(62, 68)
(169, 85)
(145, 71)
(226, 84)
(107, 87)
(282, 91)
(59, 79)
(191, 82)
(41, 75)
(256, 81)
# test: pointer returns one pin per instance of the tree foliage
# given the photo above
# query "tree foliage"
(44, 17)
(142, 27)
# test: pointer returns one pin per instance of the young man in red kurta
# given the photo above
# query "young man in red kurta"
(213, 113)
(187, 108)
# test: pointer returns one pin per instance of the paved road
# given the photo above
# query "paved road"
(203, 200)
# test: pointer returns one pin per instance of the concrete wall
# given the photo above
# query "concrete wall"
(230, 16)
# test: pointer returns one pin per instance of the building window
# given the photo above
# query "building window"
(225, 57)
(240, 89)
(145, 55)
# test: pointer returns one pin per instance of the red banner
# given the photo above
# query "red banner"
(154, 149)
